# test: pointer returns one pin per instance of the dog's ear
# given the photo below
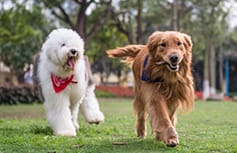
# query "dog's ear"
(187, 42)
(153, 41)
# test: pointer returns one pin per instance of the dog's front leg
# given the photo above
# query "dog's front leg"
(90, 107)
(59, 116)
(74, 110)
(161, 123)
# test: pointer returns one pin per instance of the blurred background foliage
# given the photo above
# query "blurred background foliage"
(21, 34)
(105, 24)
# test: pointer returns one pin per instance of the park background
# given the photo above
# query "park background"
(106, 24)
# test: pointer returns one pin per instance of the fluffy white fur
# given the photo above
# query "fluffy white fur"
(62, 108)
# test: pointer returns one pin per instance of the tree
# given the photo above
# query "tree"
(211, 15)
(21, 32)
(75, 14)
(128, 20)
(138, 19)
(109, 37)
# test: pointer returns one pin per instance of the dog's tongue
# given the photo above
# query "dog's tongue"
(71, 63)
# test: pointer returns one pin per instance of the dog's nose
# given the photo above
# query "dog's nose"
(174, 58)
(73, 52)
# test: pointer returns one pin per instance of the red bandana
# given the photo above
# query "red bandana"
(60, 84)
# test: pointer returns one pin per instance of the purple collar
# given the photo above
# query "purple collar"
(145, 76)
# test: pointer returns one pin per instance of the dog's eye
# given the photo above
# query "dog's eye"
(179, 43)
(63, 44)
(163, 44)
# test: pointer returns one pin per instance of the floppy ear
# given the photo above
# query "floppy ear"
(187, 42)
(153, 40)
(188, 46)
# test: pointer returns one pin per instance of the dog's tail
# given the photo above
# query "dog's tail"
(129, 52)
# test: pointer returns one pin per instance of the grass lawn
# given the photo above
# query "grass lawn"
(210, 128)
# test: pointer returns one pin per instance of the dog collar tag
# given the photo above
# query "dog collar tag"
(60, 84)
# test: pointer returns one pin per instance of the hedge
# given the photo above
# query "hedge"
(25, 94)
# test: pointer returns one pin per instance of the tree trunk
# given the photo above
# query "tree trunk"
(212, 68)
(139, 36)
(81, 20)
(206, 88)
(221, 80)
(175, 15)
(101, 78)
(130, 37)
(81, 24)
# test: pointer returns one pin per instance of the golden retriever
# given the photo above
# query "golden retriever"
(163, 81)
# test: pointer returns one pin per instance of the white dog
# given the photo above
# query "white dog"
(65, 79)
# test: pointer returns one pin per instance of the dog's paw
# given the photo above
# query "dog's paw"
(69, 133)
(141, 134)
(172, 142)
(95, 117)
(172, 137)
(141, 131)
(169, 136)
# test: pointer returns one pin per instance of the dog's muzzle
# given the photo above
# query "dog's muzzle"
(72, 58)
(174, 61)
(173, 64)
(73, 52)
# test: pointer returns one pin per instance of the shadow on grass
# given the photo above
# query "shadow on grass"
(128, 145)
(41, 130)
(88, 140)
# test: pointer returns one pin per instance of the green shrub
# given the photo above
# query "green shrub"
(103, 94)
(10, 95)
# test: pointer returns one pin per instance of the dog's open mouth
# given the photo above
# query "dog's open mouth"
(71, 62)
(171, 67)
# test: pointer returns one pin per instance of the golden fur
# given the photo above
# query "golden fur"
(169, 59)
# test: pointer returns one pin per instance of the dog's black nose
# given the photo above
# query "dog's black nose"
(173, 58)
(73, 51)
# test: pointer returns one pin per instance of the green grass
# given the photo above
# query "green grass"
(104, 94)
(210, 128)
